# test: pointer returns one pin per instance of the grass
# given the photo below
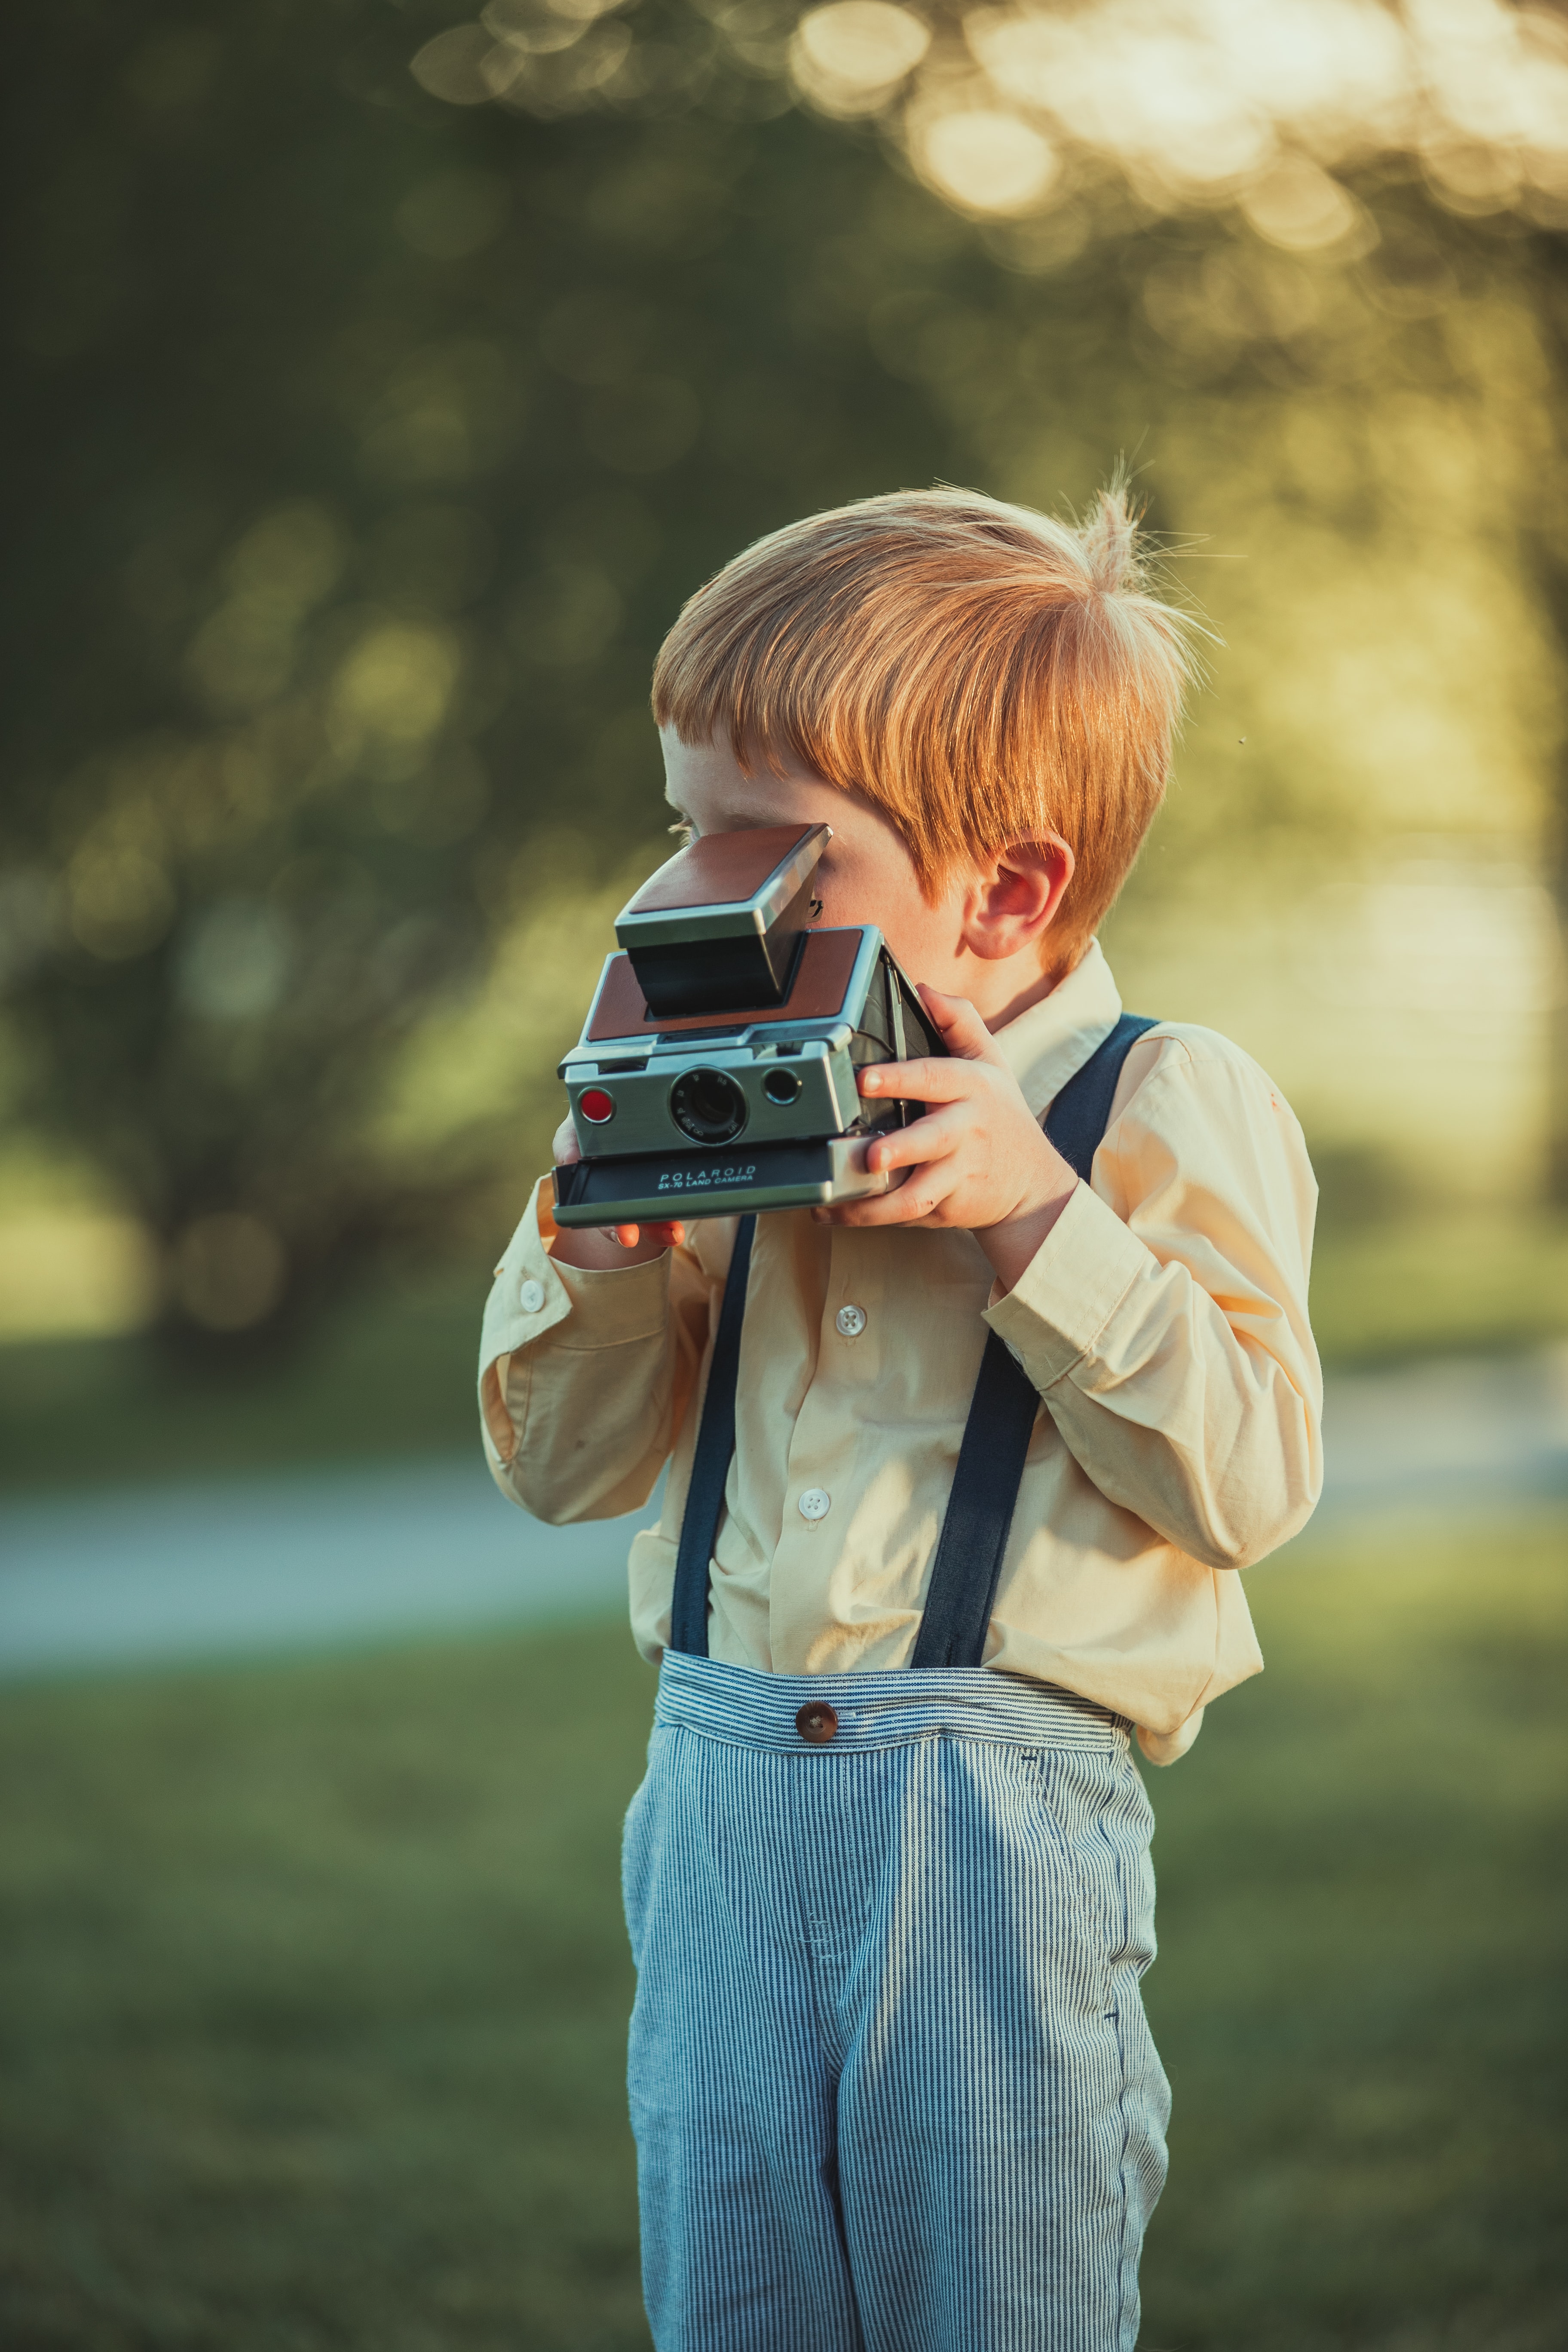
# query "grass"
(313, 1996)
(312, 1988)
(1363, 1924)
(392, 1372)
(1423, 1285)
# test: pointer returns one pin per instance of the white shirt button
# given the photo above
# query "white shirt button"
(851, 1321)
(814, 1504)
(530, 1297)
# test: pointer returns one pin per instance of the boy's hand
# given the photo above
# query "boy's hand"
(606, 1246)
(978, 1159)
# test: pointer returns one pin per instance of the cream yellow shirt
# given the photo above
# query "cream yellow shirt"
(1163, 1321)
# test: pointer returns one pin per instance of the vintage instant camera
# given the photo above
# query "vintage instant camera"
(716, 1072)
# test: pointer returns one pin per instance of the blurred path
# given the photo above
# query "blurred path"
(307, 1560)
(313, 1560)
(1459, 1434)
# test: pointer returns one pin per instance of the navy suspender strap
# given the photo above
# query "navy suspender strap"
(968, 1564)
(711, 1462)
(996, 1435)
(1077, 1120)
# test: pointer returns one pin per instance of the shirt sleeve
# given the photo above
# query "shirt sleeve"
(584, 1376)
(1164, 1320)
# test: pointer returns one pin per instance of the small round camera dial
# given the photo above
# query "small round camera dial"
(782, 1087)
(596, 1105)
(708, 1105)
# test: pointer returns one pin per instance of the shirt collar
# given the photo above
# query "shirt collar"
(1045, 1046)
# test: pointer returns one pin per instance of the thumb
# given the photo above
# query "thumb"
(964, 1032)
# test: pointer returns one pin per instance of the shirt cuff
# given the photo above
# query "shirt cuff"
(531, 1294)
(1069, 1290)
(612, 1304)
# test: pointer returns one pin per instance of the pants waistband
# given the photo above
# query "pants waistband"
(885, 1710)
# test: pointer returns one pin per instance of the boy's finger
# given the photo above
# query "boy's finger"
(939, 1082)
(962, 1031)
(906, 1147)
(914, 1199)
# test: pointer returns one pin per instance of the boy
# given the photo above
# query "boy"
(890, 2080)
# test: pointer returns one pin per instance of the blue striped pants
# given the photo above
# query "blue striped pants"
(891, 2079)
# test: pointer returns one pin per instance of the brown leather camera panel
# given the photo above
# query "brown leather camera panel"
(821, 979)
(718, 869)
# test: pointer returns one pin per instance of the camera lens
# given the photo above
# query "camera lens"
(781, 1087)
(708, 1105)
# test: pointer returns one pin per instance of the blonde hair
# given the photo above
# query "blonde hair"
(982, 673)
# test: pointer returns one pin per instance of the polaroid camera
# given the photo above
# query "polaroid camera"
(716, 1071)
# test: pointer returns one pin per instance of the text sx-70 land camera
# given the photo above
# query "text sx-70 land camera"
(716, 1071)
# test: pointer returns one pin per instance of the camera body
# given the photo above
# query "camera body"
(716, 1071)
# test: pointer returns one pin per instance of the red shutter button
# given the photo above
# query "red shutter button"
(596, 1105)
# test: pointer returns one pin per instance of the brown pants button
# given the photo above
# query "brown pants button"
(816, 1722)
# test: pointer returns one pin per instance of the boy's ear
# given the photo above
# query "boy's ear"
(1016, 895)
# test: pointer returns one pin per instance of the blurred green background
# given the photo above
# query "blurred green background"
(382, 378)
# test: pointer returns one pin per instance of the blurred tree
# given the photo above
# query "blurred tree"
(359, 453)
(362, 451)
(1547, 539)
(367, 434)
